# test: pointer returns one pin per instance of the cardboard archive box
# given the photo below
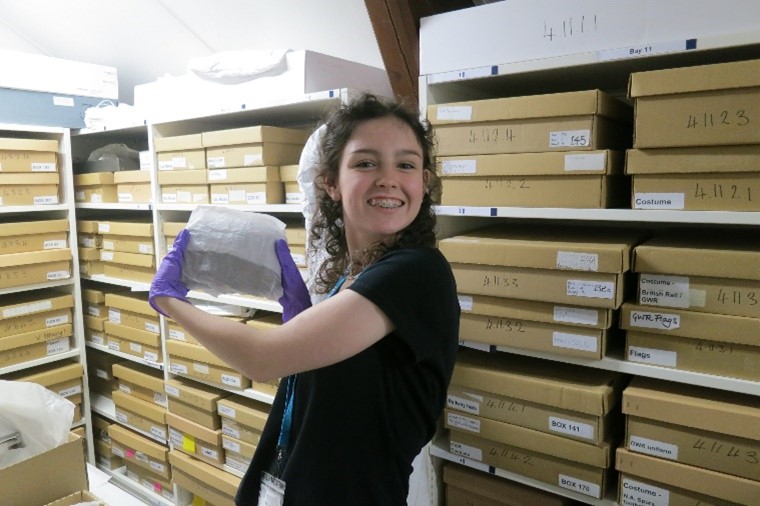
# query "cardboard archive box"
(33, 267)
(575, 179)
(194, 401)
(293, 192)
(711, 273)
(205, 481)
(142, 344)
(100, 377)
(144, 452)
(195, 361)
(28, 236)
(580, 120)
(150, 480)
(696, 426)
(705, 105)
(272, 192)
(243, 419)
(180, 152)
(25, 346)
(196, 440)
(29, 189)
(560, 399)
(141, 416)
(131, 311)
(28, 155)
(95, 188)
(133, 186)
(468, 487)
(714, 178)
(142, 382)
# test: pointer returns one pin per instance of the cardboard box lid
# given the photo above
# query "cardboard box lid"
(603, 162)
(178, 142)
(574, 103)
(183, 177)
(717, 76)
(693, 160)
(173, 229)
(561, 385)
(33, 227)
(15, 144)
(703, 481)
(188, 427)
(565, 248)
(288, 172)
(48, 374)
(212, 476)
(93, 179)
(693, 406)
(130, 439)
(29, 178)
(135, 228)
(81, 497)
(193, 393)
(249, 412)
(46, 477)
(131, 176)
(26, 303)
(130, 302)
(139, 374)
(144, 337)
(254, 134)
(734, 254)
(193, 352)
(139, 407)
(34, 257)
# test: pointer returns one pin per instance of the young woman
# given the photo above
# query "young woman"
(365, 371)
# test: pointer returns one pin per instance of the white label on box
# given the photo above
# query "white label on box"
(106, 256)
(476, 345)
(100, 373)
(658, 201)
(124, 198)
(636, 493)
(465, 302)
(176, 437)
(96, 198)
(79, 195)
(179, 162)
(226, 411)
(117, 451)
(169, 198)
(230, 445)
(114, 315)
(43, 167)
(295, 197)
(577, 261)
(158, 466)
(87, 242)
(209, 453)
(229, 431)
(152, 327)
(569, 138)
(581, 486)
(298, 259)
(658, 290)
(216, 162)
(125, 388)
(104, 228)
(45, 200)
(199, 197)
(56, 320)
(184, 196)
(463, 422)
(165, 165)
(591, 161)
(652, 356)
(256, 198)
(150, 356)
(651, 320)
(177, 334)
(592, 289)
(142, 457)
(576, 315)
(157, 431)
(653, 447)
(574, 341)
(63, 101)
(464, 450)
(571, 427)
(454, 112)
(217, 175)
(200, 368)
(68, 392)
(160, 399)
(462, 404)
(56, 275)
(220, 198)
(121, 417)
(98, 339)
(250, 159)
(171, 390)
(57, 346)
(58, 244)
(231, 380)
(145, 249)
(108, 245)
(459, 167)
(178, 368)
(34, 307)
(135, 347)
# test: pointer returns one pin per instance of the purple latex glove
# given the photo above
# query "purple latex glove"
(168, 280)
(295, 296)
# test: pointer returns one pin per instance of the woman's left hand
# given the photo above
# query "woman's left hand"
(295, 296)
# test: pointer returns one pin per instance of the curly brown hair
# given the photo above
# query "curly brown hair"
(327, 229)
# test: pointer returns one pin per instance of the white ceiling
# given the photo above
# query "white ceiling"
(145, 39)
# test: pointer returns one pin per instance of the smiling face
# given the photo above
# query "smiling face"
(381, 181)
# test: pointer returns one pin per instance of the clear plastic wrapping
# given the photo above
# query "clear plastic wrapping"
(232, 251)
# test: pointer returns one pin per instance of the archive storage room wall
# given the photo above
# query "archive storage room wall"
(485, 89)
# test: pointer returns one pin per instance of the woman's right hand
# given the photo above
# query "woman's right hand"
(168, 279)
(295, 296)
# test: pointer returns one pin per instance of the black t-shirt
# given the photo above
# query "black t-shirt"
(359, 424)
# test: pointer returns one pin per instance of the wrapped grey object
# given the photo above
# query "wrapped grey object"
(232, 251)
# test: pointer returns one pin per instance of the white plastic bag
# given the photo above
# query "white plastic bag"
(232, 251)
(40, 418)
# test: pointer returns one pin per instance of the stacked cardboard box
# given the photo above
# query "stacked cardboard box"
(95, 188)
(697, 305)
(293, 192)
(133, 327)
(29, 172)
(556, 150)
(104, 455)
(33, 252)
(194, 401)
(182, 175)
(295, 234)
(89, 242)
(551, 422)
(196, 362)
(208, 484)
(133, 186)
(242, 421)
(244, 163)
(541, 289)
(100, 376)
(146, 461)
(131, 255)
(139, 400)
(36, 324)
(696, 146)
(265, 320)
(688, 445)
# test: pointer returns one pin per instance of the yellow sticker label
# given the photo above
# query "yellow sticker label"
(188, 443)
(198, 501)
